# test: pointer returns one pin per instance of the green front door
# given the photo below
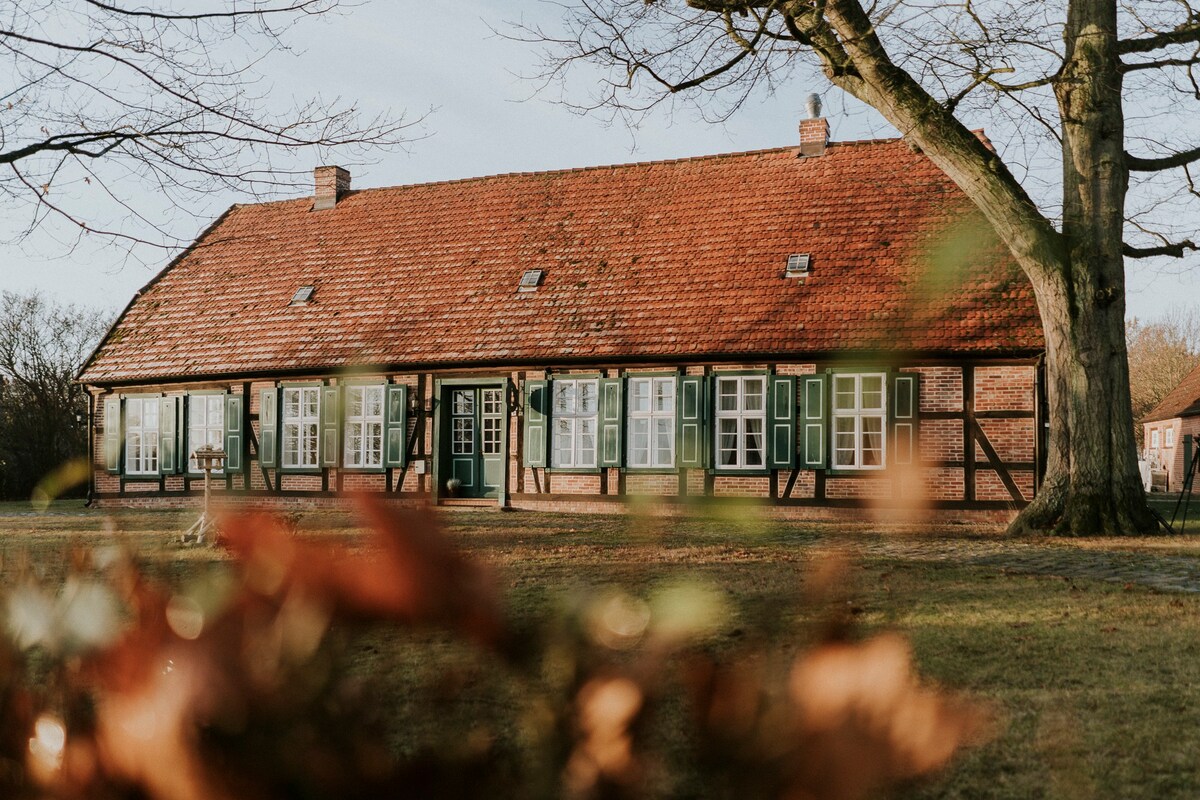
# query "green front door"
(476, 440)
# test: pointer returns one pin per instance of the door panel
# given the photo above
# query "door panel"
(475, 439)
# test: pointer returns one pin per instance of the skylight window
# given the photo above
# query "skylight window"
(531, 280)
(797, 265)
(303, 295)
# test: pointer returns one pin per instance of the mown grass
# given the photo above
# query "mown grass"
(1096, 685)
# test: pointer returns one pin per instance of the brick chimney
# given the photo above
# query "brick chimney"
(814, 131)
(331, 183)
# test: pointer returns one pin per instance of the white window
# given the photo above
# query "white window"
(364, 426)
(206, 425)
(741, 422)
(1154, 438)
(301, 423)
(1169, 437)
(652, 422)
(574, 415)
(859, 410)
(141, 436)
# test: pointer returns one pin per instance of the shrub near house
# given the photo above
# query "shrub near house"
(777, 324)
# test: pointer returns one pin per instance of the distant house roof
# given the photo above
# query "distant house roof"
(659, 261)
(1182, 401)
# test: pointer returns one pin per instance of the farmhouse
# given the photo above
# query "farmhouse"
(1169, 430)
(824, 325)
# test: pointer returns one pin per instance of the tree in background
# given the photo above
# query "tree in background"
(43, 412)
(105, 96)
(1161, 353)
(1061, 73)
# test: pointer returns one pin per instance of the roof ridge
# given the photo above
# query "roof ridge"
(589, 168)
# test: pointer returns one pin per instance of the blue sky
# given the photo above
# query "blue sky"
(483, 119)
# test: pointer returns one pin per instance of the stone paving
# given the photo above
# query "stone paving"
(1173, 573)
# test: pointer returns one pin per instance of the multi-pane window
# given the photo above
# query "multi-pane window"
(301, 424)
(364, 427)
(1169, 437)
(206, 425)
(493, 408)
(462, 422)
(741, 417)
(859, 411)
(652, 422)
(1154, 438)
(574, 412)
(141, 435)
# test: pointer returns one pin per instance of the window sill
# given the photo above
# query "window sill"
(300, 470)
(749, 472)
(575, 470)
(364, 470)
(650, 470)
(145, 476)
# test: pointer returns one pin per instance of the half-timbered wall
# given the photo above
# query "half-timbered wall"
(976, 448)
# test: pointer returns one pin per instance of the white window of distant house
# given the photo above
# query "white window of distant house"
(652, 422)
(859, 409)
(206, 425)
(364, 426)
(141, 436)
(574, 411)
(741, 415)
(1154, 438)
(1169, 437)
(301, 422)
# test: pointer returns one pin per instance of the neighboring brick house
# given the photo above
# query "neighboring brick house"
(1169, 429)
(820, 326)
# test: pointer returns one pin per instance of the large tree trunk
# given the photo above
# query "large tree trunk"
(1092, 485)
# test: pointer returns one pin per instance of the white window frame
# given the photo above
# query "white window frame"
(1168, 437)
(652, 418)
(201, 428)
(857, 413)
(742, 418)
(1154, 440)
(293, 427)
(145, 460)
(363, 432)
(567, 421)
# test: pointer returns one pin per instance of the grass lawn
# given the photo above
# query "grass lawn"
(1097, 684)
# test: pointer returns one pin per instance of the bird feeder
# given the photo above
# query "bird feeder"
(207, 458)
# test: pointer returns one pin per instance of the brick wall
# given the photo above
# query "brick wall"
(996, 389)
(1012, 439)
(741, 486)
(1004, 389)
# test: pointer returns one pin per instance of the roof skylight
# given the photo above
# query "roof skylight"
(303, 295)
(531, 280)
(797, 265)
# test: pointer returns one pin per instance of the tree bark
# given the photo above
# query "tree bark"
(1092, 485)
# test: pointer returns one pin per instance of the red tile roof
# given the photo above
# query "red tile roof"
(1182, 401)
(665, 260)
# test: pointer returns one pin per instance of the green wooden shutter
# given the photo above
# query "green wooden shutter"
(906, 412)
(395, 426)
(329, 454)
(814, 421)
(235, 433)
(268, 428)
(112, 434)
(168, 435)
(691, 426)
(781, 409)
(612, 391)
(537, 422)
